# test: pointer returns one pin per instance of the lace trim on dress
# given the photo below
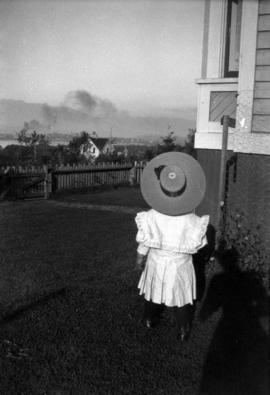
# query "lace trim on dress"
(188, 240)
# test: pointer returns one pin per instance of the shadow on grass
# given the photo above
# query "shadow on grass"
(201, 261)
(11, 314)
(237, 360)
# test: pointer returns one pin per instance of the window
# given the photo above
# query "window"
(232, 43)
(222, 103)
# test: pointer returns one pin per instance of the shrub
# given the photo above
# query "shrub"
(247, 240)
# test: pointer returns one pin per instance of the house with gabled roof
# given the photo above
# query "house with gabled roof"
(95, 147)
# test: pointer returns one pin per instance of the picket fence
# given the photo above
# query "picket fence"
(30, 182)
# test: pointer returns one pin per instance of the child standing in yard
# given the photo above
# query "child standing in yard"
(173, 184)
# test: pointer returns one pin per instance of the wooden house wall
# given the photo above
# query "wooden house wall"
(248, 189)
(261, 104)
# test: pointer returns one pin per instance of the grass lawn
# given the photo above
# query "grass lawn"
(121, 196)
(70, 310)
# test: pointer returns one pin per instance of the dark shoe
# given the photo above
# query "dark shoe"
(184, 332)
(147, 323)
(151, 323)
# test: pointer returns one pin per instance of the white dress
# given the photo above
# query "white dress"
(169, 242)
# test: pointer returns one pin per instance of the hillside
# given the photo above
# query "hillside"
(66, 120)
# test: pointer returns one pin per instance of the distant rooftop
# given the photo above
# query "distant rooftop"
(99, 142)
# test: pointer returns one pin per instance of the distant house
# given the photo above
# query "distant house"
(119, 150)
(95, 147)
(235, 81)
(133, 151)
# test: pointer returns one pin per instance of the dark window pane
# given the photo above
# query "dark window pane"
(232, 47)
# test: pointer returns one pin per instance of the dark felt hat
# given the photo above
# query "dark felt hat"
(173, 183)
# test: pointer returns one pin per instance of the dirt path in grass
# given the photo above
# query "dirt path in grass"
(102, 207)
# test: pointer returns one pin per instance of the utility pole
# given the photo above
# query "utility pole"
(111, 140)
(227, 122)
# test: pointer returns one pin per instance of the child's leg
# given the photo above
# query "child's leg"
(152, 312)
(184, 316)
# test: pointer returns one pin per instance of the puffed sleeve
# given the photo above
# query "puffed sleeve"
(199, 235)
(141, 221)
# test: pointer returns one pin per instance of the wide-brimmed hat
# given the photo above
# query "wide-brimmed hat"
(173, 183)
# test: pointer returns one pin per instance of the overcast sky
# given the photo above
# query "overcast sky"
(140, 55)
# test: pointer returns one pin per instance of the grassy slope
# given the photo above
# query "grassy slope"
(123, 196)
(86, 339)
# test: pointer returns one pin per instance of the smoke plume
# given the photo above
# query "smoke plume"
(80, 101)
(49, 114)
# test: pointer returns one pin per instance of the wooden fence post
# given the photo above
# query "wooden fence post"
(47, 183)
(132, 175)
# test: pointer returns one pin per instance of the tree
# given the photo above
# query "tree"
(31, 138)
(16, 155)
(168, 144)
(28, 137)
(189, 143)
(77, 142)
(23, 138)
(79, 145)
(43, 141)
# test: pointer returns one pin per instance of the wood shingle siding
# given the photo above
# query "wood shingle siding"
(261, 103)
(262, 106)
(263, 39)
(264, 7)
(263, 57)
(262, 73)
(264, 22)
(261, 123)
(262, 90)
